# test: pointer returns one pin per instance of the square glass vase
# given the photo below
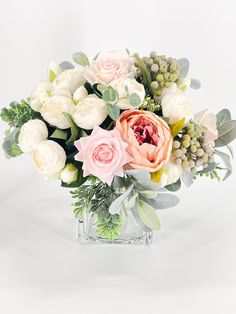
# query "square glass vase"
(131, 232)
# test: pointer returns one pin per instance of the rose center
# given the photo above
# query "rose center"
(145, 132)
(103, 153)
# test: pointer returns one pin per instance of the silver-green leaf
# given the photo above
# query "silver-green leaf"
(80, 58)
(66, 65)
(148, 215)
(135, 100)
(223, 116)
(116, 206)
(226, 133)
(184, 66)
(195, 84)
(113, 111)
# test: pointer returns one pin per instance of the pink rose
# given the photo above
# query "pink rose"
(109, 66)
(208, 120)
(148, 138)
(103, 154)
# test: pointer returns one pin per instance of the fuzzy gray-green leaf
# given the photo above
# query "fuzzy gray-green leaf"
(148, 215)
(195, 84)
(223, 116)
(135, 100)
(184, 66)
(113, 111)
(80, 58)
(226, 133)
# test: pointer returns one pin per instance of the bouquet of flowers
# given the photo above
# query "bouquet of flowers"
(119, 131)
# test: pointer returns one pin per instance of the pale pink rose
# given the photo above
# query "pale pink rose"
(148, 137)
(108, 67)
(103, 154)
(207, 120)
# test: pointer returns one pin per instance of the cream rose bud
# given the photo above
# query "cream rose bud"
(52, 111)
(69, 80)
(49, 158)
(176, 106)
(69, 173)
(123, 85)
(80, 94)
(89, 112)
(32, 133)
(40, 94)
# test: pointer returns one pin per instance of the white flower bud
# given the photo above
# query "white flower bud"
(53, 71)
(80, 94)
(52, 111)
(89, 112)
(122, 85)
(32, 133)
(49, 158)
(69, 80)
(69, 173)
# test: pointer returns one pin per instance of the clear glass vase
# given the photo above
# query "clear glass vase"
(131, 232)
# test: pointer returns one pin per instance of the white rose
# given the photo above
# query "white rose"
(69, 80)
(40, 94)
(120, 85)
(89, 112)
(80, 94)
(176, 106)
(52, 111)
(32, 133)
(171, 173)
(49, 158)
(69, 173)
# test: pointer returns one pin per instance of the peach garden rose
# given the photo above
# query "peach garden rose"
(148, 138)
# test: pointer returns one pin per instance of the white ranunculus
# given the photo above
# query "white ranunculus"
(171, 173)
(69, 80)
(32, 133)
(175, 106)
(49, 158)
(122, 85)
(61, 92)
(40, 94)
(69, 173)
(80, 94)
(52, 111)
(89, 112)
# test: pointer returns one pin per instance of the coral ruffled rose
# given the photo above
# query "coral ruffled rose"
(148, 138)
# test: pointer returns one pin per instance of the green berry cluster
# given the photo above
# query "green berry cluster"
(192, 150)
(164, 72)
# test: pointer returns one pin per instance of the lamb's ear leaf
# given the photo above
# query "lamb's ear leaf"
(139, 174)
(148, 215)
(177, 127)
(174, 186)
(211, 166)
(139, 221)
(187, 178)
(195, 84)
(73, 127)
(80, 58)
(184, 66)
(163, 201)
(116, 206)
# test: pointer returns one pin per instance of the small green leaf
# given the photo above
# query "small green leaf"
(163, 201)
(80, 58)
(52, 75)
(135, 100)
(177, 127)
(66, 65)
(223, 116)
(195, 84)
(211, 166)
(227, 162)
(116, 206)
(10, 144)
(113, 111)
(148, 215)
(147, 80)
(110, 94)
(59, 134)
(184, 66)
(73, 127)
(15, 150)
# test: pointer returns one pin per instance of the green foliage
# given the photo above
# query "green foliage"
(113, 111)
(10, 144)
(195, 84)
(66, 65)
(226, 128)
(184, 66)
(18, 113)
(146, 76)
(109, 94)
(59, 134)
(135, 100)
(73, 127)
(97, 198)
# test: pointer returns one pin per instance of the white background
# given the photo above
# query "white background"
(190, 268)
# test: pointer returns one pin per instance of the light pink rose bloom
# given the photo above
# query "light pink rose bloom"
(207, 120)
(148, 137)
(108, 67)
(103, 154)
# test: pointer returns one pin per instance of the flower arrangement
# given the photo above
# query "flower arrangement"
(120, 131)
